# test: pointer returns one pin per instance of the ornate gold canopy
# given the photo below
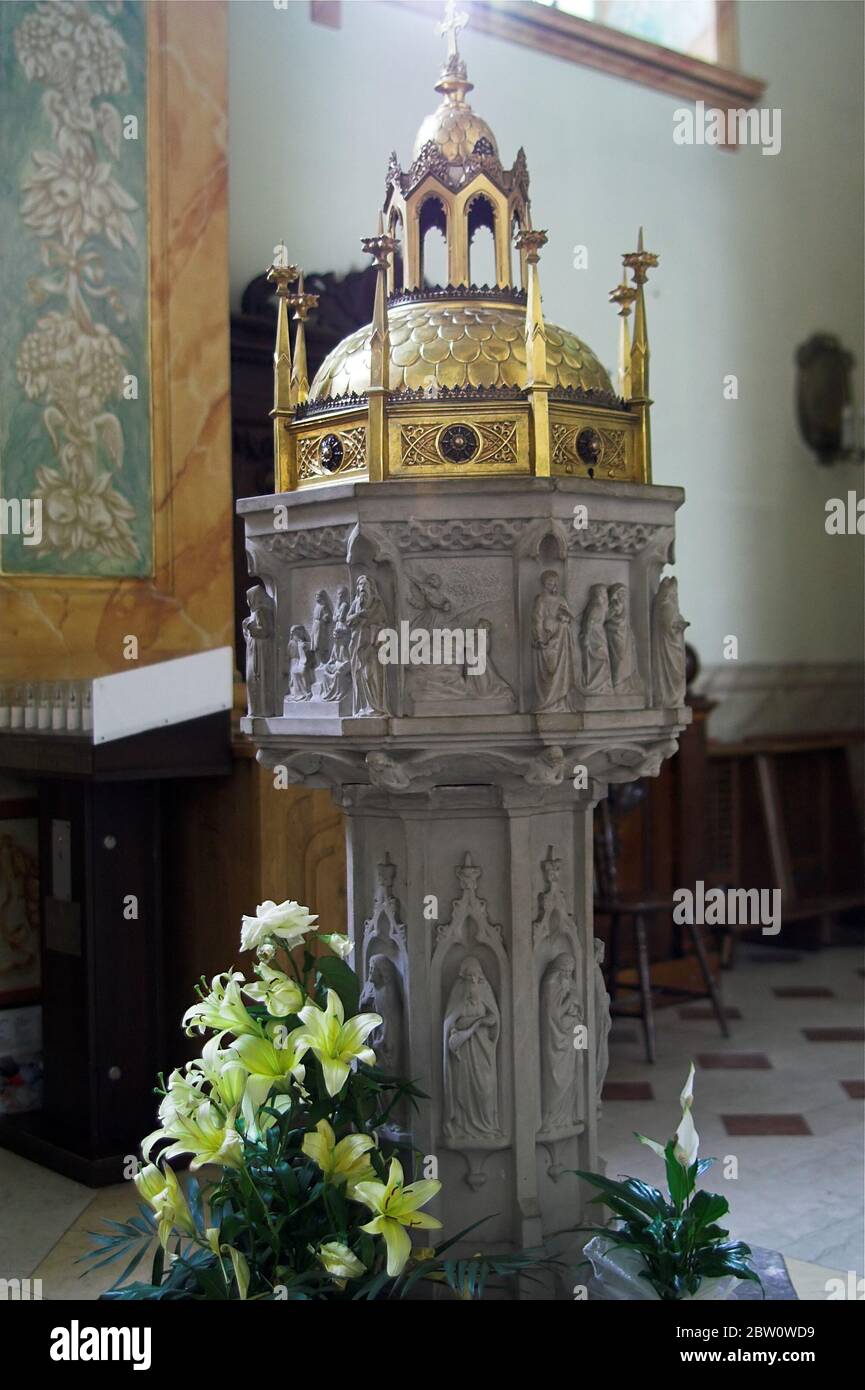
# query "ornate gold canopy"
(459, 379)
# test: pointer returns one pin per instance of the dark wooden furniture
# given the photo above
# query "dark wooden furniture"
(639, 910)
(102, 913)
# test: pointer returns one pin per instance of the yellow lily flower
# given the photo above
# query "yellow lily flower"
(207, 1135)
(222, 1009)
(288, 922)
(396, 1207)
(336, 1043)
(160, 1190)
(340, 1262)
(279, 994)
(339, 1162)
(270, 1067)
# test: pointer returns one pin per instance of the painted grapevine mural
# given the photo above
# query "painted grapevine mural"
(74, 390)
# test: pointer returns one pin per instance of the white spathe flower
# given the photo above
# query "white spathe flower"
(686, 1099)
(687, 1140)
(288, 921)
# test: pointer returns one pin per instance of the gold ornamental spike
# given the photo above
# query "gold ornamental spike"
(282, 274)
(381, 247)
(530, 242)
(624, 295)
(640, 262)
(301, 303)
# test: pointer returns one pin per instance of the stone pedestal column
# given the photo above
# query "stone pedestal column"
(468, 787)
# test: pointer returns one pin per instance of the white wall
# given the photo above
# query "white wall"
(756, 254)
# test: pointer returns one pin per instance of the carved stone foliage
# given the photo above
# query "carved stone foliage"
(469, 969)
(668, 646)
(317, 543)
(384, 969)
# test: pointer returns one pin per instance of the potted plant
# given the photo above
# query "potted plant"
(666, 1246)
(304, 1196)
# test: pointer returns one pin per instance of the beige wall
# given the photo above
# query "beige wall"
(756, 254)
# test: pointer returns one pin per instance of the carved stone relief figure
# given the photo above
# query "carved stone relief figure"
(365, 619)
(554, 647)
(603, 1021)
(668, 646)
(382, 994)
(322, 627)
(259, 629)
(488, 684)
(429, 602)
(560, 1013)
(334, 675)
(472, 1026)
(622, 646)
(597, 679)
(299, 664)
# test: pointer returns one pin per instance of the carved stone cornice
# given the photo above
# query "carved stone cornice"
(318, 543)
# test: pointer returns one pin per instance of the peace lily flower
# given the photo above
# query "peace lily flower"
(339, 1162)
(279, 994)
(340, 1262)
(161, 1191)
(686, 1138)
(341, 946)
(287, 921)
(336, 1043)
(269, 1066)
(222, 1009)
(396, 1207)
(208, 1135)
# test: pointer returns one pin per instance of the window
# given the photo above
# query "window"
(688, 26)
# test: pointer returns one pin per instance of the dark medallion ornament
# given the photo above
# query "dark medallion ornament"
(458, 443)
(590, 446)
(330, 453)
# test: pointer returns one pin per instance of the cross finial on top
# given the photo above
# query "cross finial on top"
(453, 22)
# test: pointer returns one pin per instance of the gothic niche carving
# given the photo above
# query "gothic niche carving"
(469, 963)
(258, 630)
(561, 1011)
(668, 646)
(384, 964)
(554, 649)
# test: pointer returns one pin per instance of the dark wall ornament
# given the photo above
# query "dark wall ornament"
(824, 399)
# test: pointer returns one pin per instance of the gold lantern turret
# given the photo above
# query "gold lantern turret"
(462, 379)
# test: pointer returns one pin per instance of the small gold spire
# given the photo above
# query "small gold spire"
(530, 241)
(381, 247)
(301, 303)
(640, 262)
(624, 295)
(453, 80)
(281, 274)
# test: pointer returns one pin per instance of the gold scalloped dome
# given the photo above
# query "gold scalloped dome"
(456, 129)
(457, 344)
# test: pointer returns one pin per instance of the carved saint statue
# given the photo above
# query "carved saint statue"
(554, 648)
(560, 1014)
(668, 646)
(259, 629)
(365, 619)
(334, 675)
(322, 627)
(597, 679)
(471, 1034)
(621, 644)
(603, 1021)
(299, 664)
(382, 994)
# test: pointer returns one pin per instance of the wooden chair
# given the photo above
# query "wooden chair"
(639, 910)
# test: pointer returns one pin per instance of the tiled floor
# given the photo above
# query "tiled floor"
(785, 1105)
(799, 1192)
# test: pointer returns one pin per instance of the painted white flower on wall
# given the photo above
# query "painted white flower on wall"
(70, 198)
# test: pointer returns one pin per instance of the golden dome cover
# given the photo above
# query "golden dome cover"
(434, 344)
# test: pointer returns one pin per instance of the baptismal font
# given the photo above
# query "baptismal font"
(459, 625)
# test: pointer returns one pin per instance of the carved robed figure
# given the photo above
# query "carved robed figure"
(472, 1026)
